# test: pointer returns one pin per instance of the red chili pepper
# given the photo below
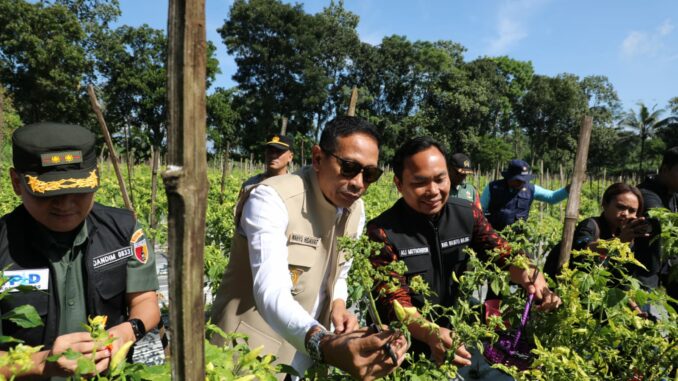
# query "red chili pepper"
(110, 346)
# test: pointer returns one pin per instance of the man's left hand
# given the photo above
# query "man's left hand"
(122, 333)
(343, 320)
(539, 287)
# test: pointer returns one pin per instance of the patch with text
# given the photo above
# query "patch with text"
(112, 258)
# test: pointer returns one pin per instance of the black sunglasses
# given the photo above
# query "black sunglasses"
(350, 169)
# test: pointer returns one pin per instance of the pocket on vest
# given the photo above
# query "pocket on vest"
(300, 259)
(257, 338)
(112, 282)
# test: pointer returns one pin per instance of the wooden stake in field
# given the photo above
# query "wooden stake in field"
(109, 143)
(186, 185)
(283, 128)
(354, 102)
(578, 176)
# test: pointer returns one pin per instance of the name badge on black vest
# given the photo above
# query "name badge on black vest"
(414, 251)
(109, 259)
(454, 242)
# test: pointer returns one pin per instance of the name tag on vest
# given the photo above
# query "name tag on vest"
(454, 242)
(38, 278)
(111, 258)
(414, 251)
(304, 240)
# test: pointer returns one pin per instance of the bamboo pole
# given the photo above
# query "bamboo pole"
(578, 176)
(186, 185)
(283, 128)
(354, 101)
(109, 143)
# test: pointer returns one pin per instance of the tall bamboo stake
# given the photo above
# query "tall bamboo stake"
(186, 185)
(109, 143)
(354, 102)
(283, 128)
(578, 176)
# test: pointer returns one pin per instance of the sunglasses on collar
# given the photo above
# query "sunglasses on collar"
(350, 169)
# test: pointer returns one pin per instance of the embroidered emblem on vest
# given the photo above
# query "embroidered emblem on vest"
(413, 252)
(295, 274)
(304, 240)
(112, 257)
(454, 242)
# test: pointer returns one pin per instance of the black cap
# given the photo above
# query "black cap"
(518, 170)
(55, 158)
(461, 163)
(280, 142)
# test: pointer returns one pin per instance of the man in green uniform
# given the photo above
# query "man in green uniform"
(83, 259)
(459, 168)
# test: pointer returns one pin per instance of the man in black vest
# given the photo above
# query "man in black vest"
(661, 191)
(428, 230)
(82, 258)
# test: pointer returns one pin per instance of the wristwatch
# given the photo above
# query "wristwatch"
(313, 344)
(138, 327)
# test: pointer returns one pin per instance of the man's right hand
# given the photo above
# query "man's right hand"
(440, 341)
(361, 353)
(79, 342)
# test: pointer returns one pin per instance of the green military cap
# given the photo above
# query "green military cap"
(55, 158)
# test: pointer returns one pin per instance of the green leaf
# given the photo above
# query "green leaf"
(494, 285)
(9, 339)
(614, 296)
(24, 316)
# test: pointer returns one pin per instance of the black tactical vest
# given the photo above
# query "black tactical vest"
(507, 206)
(432, 249)
(105, 263)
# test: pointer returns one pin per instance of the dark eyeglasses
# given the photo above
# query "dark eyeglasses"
(351, 169)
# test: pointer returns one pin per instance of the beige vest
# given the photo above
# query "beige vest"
(311, 232)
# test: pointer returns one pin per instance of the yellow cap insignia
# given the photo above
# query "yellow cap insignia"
(467, 163)
(275, 139)
(39, 186)
(56, 159)
(68, 158)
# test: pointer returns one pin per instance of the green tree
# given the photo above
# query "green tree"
(645, 122)
(42, 61)
(550, 112)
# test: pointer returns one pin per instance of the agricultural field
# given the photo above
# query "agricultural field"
(594, 335)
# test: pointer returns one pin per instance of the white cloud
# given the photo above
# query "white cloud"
(665, 28)
(643, 43)
(509, 32)
(512, 17)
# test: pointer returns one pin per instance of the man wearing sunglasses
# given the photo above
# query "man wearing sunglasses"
(285, 285)
(428, 231)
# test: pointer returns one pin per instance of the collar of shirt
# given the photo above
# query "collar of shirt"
(54, 245)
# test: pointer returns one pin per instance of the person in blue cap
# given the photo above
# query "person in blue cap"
(509, 199)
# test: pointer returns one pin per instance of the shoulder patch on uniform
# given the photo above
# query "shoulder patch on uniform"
(137, 234)
(141, 251)
(304, 240)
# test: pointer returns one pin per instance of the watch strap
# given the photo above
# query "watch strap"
(313, 344)
(138, 328)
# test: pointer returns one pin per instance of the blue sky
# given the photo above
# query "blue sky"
(633, 43)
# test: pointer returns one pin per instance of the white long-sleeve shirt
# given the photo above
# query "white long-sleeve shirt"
(264, 222)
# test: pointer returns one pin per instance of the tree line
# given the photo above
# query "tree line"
(303, 66)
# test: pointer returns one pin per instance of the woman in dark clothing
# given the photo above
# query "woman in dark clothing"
(621, 204)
